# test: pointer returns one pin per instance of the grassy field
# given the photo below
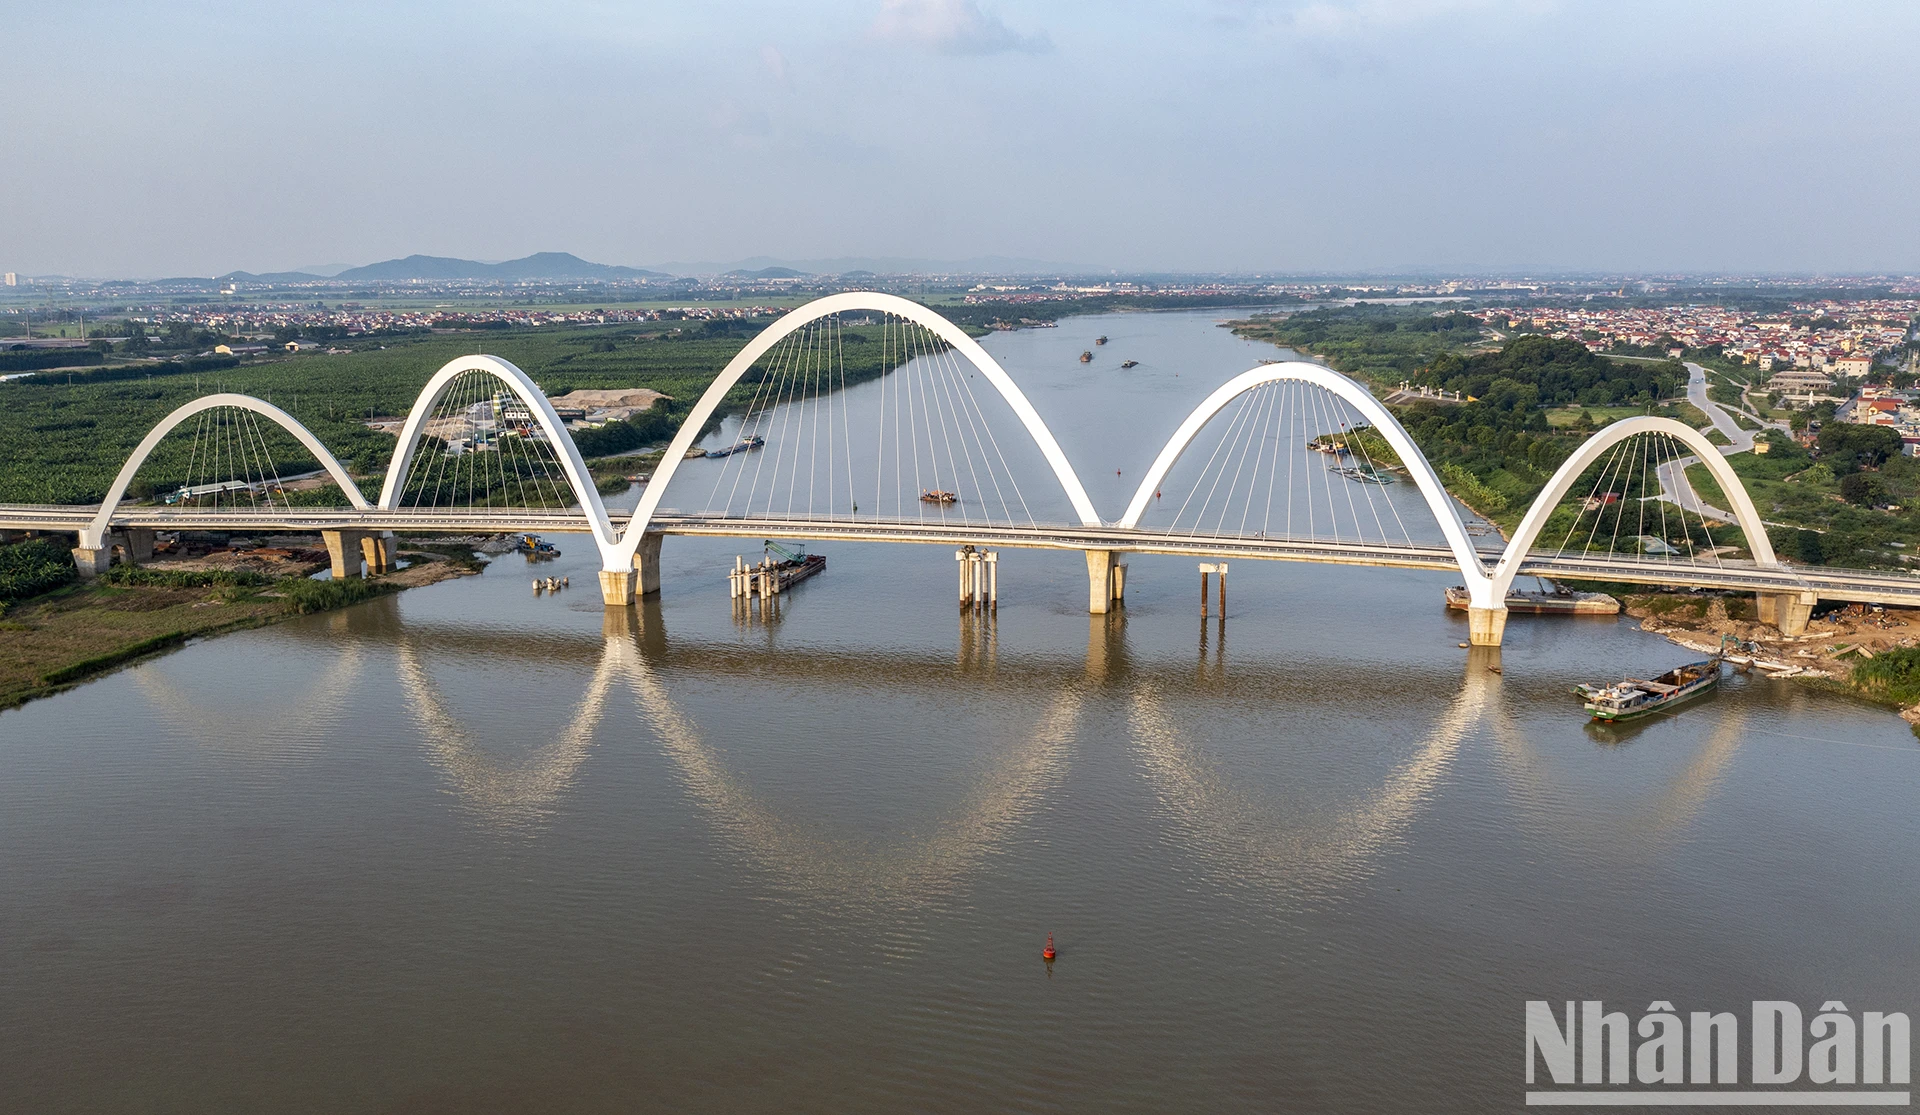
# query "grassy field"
(59, 639)
(56, 632)
(1562, 417)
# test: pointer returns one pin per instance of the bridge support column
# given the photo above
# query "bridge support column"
(91, 561)
(139, 544)
(1485, 626)
(1788, 611)
(646, 565)
(1104, 581)
(616, 587)
(376, 548)
(347, 549)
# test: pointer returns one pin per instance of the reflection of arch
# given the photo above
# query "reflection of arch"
(93, 537)
(513, 796)
(1313, 865)
(522, 385)
(807, 314)
(507, 796)
(1300, 371)
(1524, 536)
(1534, 789)
(301, 726)
(804, 860)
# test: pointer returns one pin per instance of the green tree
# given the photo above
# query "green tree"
(1847, 447)
(1863, 488)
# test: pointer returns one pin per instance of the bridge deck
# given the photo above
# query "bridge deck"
(1830, 584)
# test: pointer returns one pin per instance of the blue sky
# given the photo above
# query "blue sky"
(182, 138)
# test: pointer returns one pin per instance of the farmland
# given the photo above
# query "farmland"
(62, 442)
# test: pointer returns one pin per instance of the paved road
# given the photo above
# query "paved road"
(1674, 486)
(1676, 489)
(1739, 440)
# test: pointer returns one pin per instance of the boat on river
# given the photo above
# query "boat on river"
(1086, 357)
(1634, 698)
(1129, 363)
(1554, 600)
(1101, 339)
(752, 441)
(935, 495)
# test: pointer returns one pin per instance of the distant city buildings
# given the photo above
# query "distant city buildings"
(353, 319)
(1828, 337)
(13, 279)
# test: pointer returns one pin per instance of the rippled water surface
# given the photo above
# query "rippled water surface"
(468, 849)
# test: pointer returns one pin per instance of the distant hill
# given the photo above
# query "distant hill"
(269, 277)
(878, 265)
(542, 265)
(767, 273)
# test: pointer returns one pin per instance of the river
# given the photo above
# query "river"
(471, 849)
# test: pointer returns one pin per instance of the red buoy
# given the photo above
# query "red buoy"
(1047, 954)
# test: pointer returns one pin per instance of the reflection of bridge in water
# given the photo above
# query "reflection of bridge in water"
(1317, 854)
(1289, 461)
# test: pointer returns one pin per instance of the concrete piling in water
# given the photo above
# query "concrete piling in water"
(1104, 578)
(979, 579)
(1219, 569)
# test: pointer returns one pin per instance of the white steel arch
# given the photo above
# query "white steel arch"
(529, 392)
(1479, 584)
(1535, 520)
(94, 536)
(813, 311)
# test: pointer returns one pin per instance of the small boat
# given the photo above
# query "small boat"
(753, 441)
(1086, 357)
(1636, 697)
(1129, 363)
(935, 495)
(534, 547)
(1101, 339)
(693, 453)
(1366, 474)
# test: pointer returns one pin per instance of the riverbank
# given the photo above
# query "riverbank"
(1826, 655)
(57, 640)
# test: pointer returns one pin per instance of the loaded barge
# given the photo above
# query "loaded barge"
(1555, 601)
(1636, 697)
(773, 576)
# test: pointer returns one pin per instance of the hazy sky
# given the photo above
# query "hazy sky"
(186, 137)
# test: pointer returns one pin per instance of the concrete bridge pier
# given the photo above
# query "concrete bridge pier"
(350, 551)
(619, 587)
(1106, 581)
(138, 545)
(1485, 626)
(1788, 611)
(376, 548)
(91, 561)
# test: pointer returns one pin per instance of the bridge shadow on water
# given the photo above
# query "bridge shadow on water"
(1242, 836)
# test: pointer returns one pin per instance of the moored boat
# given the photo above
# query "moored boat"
(1633, 698)
(937, 496)
(1557, 602)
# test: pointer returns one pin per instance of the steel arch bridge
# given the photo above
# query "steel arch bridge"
(1267, 417)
